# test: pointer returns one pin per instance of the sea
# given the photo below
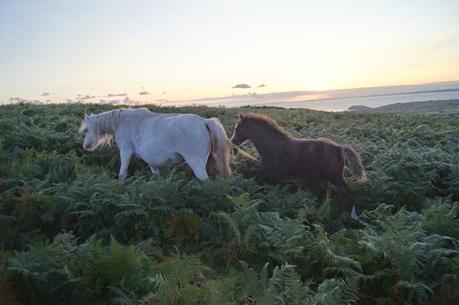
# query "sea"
(343, 104)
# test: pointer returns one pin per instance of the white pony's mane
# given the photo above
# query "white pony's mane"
(104, 124)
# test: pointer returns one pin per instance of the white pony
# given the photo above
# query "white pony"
(160, 139)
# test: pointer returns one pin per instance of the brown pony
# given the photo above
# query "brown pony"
(318, 161)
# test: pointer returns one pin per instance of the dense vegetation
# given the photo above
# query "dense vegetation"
(70, 233)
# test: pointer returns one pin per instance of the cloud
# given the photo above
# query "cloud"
(125, 101)
(114, 95)
(164, 92)
(45, 94)
(255, 95)
(86, 97)
(144, 93)
(17, 100)
(113, 102)
(262, 85)
(241, 86)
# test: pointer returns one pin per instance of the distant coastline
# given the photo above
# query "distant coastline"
(391, 94)
(441, 106)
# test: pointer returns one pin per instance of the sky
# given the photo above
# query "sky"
(186, 50)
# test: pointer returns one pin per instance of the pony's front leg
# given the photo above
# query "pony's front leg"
(125, 156)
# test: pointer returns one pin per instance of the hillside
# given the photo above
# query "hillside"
(70, 233)
(447, 106)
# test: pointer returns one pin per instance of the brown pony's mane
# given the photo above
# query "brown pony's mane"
(267, 121)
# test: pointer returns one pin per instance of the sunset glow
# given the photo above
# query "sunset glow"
(160, 51)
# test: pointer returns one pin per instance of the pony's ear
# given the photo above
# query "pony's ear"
(241, 116)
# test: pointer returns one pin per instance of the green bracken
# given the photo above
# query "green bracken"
(70, 233)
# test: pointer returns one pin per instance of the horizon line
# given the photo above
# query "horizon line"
(246, 95)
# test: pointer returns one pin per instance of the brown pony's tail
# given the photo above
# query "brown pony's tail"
(220, 147)
(354, 162)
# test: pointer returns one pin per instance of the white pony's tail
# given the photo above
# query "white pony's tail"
(220, 147)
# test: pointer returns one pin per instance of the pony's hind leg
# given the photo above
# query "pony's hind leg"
(200, 172)
(125, 158)
(345, 196)
(318, 188)
(340, 184)
(198, 166)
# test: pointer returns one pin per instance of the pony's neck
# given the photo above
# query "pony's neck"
(108, 122)
(267, 140)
